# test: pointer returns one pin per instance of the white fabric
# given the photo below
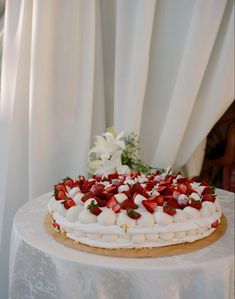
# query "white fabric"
(71, 68)
(42, 268)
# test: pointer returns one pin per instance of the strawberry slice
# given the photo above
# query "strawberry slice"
(116, 208)
(181, 180)
(128, 204)
(215, 224)
(169, 210)
(111, 202)
(133, 214)
(87, 196)
(195, 204)
(69, 203)
(150, 206)
(94, 209)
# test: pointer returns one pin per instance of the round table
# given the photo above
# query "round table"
(42, 268)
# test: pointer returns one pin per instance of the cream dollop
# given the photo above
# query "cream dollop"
(73, 213)
(163, 218)
(107, 217)
(123, 219)
(146, 220)
(86, 217)
(192, 213)
(180, 216)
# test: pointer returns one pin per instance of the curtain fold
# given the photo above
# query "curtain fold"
(163, 69)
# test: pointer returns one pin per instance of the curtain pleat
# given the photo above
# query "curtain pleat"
(163, 69)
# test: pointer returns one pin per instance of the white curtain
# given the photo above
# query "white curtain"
(163, 69)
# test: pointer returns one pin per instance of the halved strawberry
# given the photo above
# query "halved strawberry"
(111, 202)
(60, 195)
(181, 180)
(137, 188)
(133, 214)
(159, 199)
(169, 210)
(94, 209)
(69, 203)
(116, 208)
(97, 189)
(209, 197)
(127, 193)
(56, 225)
(87, 196)
(150, 206)
(101, 202)
(60, 187)
(195, 204)
(128, 204)
(109, 190)
(208, 190)
(161, 188)
(215, 224)
(68, 182)
(182, 188)
(172, 203)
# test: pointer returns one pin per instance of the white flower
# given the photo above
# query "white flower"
(105, 156)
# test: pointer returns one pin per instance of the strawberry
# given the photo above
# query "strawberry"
(160, 199)
(94, 209)
(133, 214)
(127, 193)
(209, 197)
(87, 196)
(208, 190)
(169, 210)
(60, 195)
(128, 204)
(111, 202)
(169, 179)
(215, 224)
(109, 190)
(56, 226)
(68, 203)
(161, 188)
(116, 208)
(137, 188)
(181, 180)
(195, 204)
(172, 203)
(162, 183)
(60, 187)
(97, 189)
(101, 202)
(68, 182)
(150, 206)
(182, 188)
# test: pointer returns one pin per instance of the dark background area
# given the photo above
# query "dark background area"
(219, 162)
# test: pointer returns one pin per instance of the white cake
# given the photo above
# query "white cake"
(134, 210)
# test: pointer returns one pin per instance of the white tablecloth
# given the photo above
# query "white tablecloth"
(42, 268)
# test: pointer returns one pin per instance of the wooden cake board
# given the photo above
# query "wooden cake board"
(171, 250)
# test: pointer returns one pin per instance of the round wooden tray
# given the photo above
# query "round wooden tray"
(138, 252)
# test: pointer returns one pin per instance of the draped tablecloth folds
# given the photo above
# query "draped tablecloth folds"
(42, 268)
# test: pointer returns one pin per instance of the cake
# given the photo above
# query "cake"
(125, 203)
(134, 210)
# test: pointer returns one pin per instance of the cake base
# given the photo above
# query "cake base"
(171, 250)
